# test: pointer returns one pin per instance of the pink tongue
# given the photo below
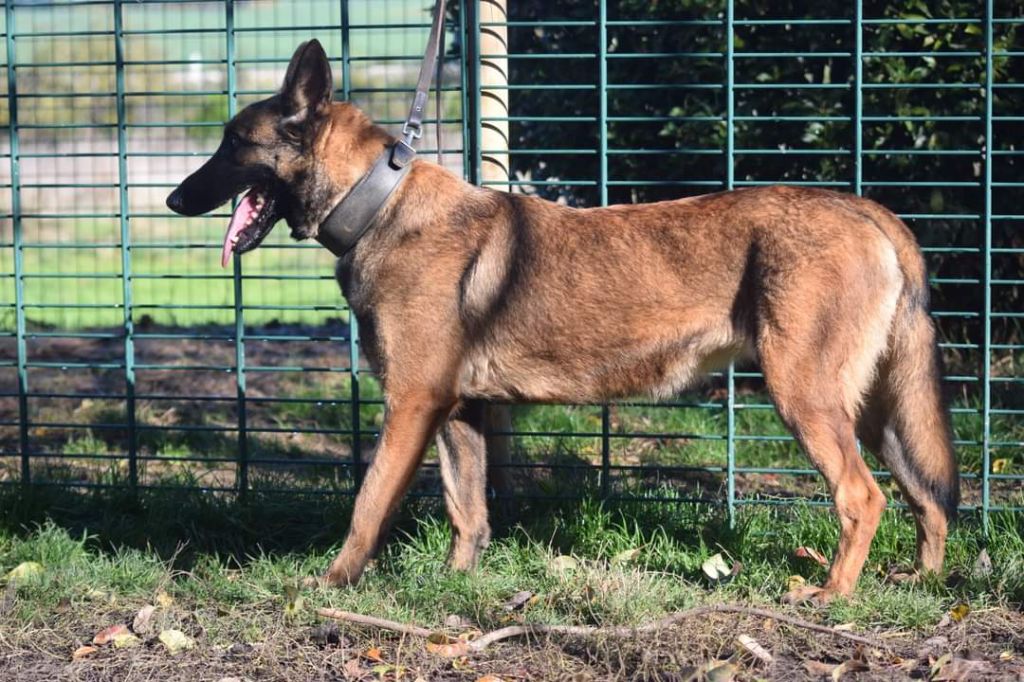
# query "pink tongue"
(246, 207)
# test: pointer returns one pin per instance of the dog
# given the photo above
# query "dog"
(466, 295)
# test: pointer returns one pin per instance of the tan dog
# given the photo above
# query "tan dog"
(465, 295)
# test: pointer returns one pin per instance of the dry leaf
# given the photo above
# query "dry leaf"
(142, 624)
(293, 601)
(176, 641)
(626, 556)
(107, 635)
(26, 570)
(959, 612)
(448, 647)
(1006, 655)
(720, 671)
(751, 645)
(963, 670)
(163, 599)
(851, 666)
(518, 600)
(715, 568)
(982, 565)
(819, 668)
(939, 664)
(126, 640)
(83, 651)
(1000, 465)
(353, 669)
(489, 678)
(373, 654)
(812, 554)
(564, 564)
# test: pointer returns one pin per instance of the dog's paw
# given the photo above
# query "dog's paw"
(810, 595)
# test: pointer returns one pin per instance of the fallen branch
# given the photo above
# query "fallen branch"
(489, 638)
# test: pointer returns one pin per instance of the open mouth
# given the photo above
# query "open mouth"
(251, 222)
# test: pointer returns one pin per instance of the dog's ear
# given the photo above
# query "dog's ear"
(308, 86)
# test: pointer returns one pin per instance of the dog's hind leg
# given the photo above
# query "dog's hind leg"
(411, 420)
(462, 449)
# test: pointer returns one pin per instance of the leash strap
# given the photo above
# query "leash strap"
(356, 212)
(413, 128)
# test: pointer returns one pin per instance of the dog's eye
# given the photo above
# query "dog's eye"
(235, 142)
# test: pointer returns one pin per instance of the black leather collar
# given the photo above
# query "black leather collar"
(357, 212)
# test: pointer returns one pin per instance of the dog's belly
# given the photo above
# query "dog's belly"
(659, 368)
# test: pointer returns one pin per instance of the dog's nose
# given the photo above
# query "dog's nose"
(175, 202)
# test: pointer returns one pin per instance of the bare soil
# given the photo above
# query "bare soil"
(986, 646)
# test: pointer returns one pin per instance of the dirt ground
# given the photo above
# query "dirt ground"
(988, 646)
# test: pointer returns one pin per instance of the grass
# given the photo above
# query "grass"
(231, 568)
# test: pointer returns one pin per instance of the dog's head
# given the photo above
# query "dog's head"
(270, 149)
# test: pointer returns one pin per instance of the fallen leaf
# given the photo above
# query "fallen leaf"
(175, 641)
(819, 668)
(293, 601)
(26, 570)
(939, 663)
(353, 669)
(752, 646)
(126, 640)
(1006, 655)
(374, 654)
(107, 635)
(448, 647)
(456, 621)
(489, 678)
(959, 612)
(626, 556)
(564, 564)
(719, 671)
(982, 565)
(962, 670)
(851, 666)
(812, 554)
(83, 651)
(795, 581)
(518, 600)
(1000, 465)
(163, 599)
(142, 623)
(715, 568)
(845, 627)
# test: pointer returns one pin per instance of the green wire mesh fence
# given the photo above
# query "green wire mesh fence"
(128, 358)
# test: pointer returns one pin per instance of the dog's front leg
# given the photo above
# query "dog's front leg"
(409, 423)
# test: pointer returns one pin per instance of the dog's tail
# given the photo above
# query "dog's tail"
(910, 383)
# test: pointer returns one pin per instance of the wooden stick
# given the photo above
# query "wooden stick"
(487, 639)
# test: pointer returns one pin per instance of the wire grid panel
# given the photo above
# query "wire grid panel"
(129, 358)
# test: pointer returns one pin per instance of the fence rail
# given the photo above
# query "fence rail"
(128, 359)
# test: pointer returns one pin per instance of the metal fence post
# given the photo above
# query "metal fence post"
(986, 345)
(353, 323)
(858, 96)
(236, 274)
(730, 417)
(19, 270)
(126, 249)
(602, 184)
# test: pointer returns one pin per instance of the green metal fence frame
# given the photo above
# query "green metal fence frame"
(469, 27)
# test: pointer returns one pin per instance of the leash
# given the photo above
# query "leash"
(356, 213)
